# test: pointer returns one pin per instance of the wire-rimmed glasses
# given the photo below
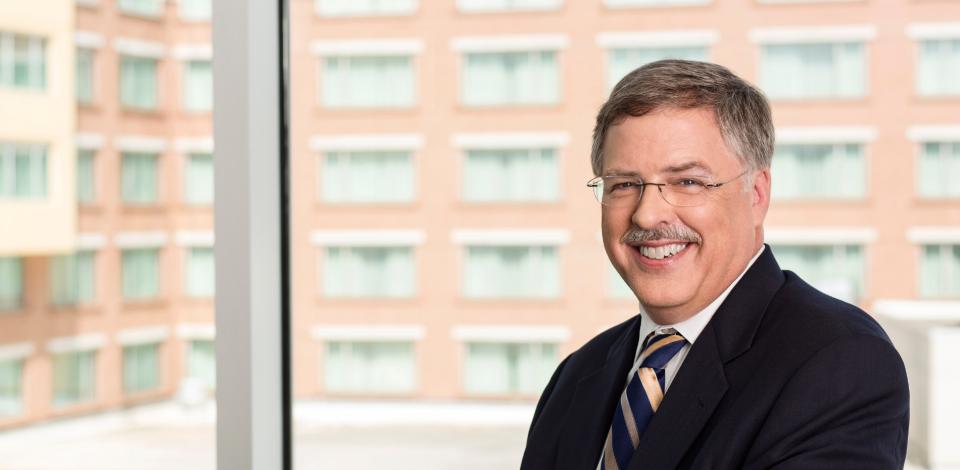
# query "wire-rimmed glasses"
(679, 191)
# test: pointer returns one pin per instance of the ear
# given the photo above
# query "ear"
(760, 196)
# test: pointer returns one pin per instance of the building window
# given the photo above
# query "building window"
(72, 278)
(200, 272)
(815, 70)
(511, 78)
(74, 377)
(368, 271)
(819, 171)
(141, 273)
(11, 387)
(141, 368)
(23, 171)
(11, 283)
(370, 367)
(198, 184)
(623, 60)
(151, 8)
(23, 61)
(484, 6)
(616, 286)
(86, 176)
(368, 82)
(202, 362)
(139, 178)
(138, 83)
(511, 175)
(85, 75)
(939, 67)
(508, 368)
(339, 8)
(195, 10)
(367, 177)
(939, 175)
(940, 271)
(512, 272)
(837, 270)
(197, 86)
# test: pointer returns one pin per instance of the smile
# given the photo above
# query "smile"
(662, 252)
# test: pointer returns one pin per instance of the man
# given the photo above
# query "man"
(731, 362)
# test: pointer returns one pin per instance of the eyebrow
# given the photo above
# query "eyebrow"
(680, 168)
(686, 166)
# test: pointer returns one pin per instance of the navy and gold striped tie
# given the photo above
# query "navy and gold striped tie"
(640, 400)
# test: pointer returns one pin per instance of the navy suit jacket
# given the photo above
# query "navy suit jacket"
(782, 377)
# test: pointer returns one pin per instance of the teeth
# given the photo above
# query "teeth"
(661, 252)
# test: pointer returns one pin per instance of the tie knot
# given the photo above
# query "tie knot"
(660, 349)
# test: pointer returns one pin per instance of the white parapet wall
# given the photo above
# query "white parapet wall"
(927, 334)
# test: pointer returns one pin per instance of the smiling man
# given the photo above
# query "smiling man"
(731, 362)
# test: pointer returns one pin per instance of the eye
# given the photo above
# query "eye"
(622, 186)
(687, 182)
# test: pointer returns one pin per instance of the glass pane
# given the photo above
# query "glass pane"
(97, 330)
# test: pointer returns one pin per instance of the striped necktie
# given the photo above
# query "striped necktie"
(640, 399)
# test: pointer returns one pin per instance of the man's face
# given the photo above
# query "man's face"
(718, 237)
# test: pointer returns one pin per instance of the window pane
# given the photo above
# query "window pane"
(368, 82)
(196, 10)
(139, 178)
(23, 170)
(511, 271)
(141, 368)
(366, 177)
(828, 70)
(138, 82)
(198, 85)
(368, 272)
(11, 284)
(22, 61)
(85, 75)
(141, 7)
(510, 78)
(141, 274)
(86, 176)
(11, 387)
(511, 175)
(201, 364)
(939, 67)
(939, 170)
(940, 271)
(819, 171)
(508, 368)
(370, 367)
(198, 187)
(74, 378)
(72, 278)
(200, 272)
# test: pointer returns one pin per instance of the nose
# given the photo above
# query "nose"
(652, 209)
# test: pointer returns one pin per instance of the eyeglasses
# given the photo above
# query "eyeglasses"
(679, 191)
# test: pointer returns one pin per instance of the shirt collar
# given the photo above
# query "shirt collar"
(693, 326)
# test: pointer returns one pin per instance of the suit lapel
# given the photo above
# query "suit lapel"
(701, 383)
(585, 427)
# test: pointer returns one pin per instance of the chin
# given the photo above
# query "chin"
(660, 294)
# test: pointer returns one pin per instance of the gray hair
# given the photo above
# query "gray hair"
(741, 110)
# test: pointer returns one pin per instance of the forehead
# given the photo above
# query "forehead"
(667, 140)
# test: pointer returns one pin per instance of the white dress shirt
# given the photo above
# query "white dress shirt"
(689, 328)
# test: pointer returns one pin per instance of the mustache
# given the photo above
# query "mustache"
(670, 232)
